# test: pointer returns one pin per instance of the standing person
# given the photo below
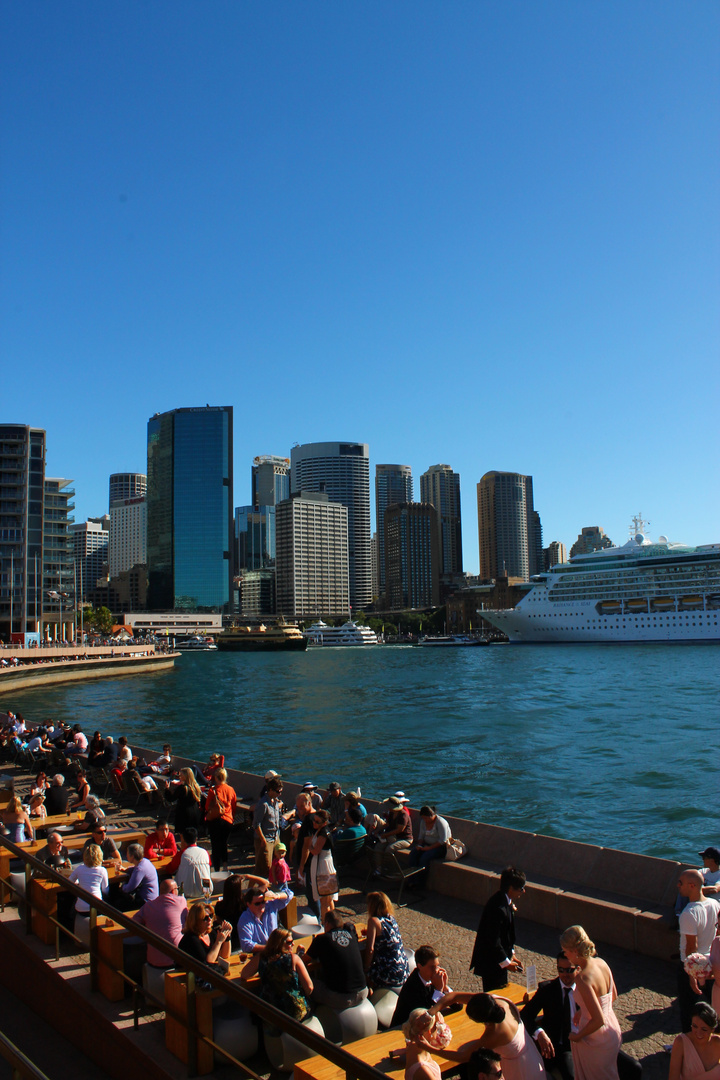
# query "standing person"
(596, 1037)
(697, 1056)
(322, 879)
(193, 869)
(187, 796)
(698, 923)
(220, 814)
(494, 951)
(386, 964)
(266, 823)
(506, 1034)
(431, 843)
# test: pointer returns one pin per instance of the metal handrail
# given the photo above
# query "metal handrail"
(352, 1066)
(22, 1067)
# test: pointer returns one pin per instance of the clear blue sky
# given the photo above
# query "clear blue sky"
(478, 233)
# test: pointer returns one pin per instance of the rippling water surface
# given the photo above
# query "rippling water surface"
(615, 745)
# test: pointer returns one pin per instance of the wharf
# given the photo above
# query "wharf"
(64, 664)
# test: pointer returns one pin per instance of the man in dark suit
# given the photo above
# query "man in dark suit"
(555, 999)
(426, 987)
(494, 952)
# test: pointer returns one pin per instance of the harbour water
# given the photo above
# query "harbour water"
(613, 745)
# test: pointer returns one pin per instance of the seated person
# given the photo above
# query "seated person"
(164, 762)
(193, 869)
(55, 854)
(57, 796)
(337, 971)
(110, 853)
(352, 798)
(396, 835)
(334, 803)
(92, 876)
(426, 987)
(284, 979)
(37, 805)
(166, 917)
(260, 917)
(161, 843)
(142, 883)
(83, 791)
(352, 829)
(203, 940)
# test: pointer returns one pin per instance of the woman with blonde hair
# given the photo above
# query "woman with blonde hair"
(187, 795)
(424, 1032)
(91, 876)
(16, 821)
(386, 964)
(220, 814)
(595, 1038)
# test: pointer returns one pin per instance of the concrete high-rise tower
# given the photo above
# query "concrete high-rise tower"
(393, 484)
(441, 487)
(189, 509)
(412, 556)
(342, 471)
(270, 480)
(126, 485)
(509, 531)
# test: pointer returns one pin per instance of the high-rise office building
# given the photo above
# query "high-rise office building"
(312, 560)
(128, 535)
(374, 564)
(342, 472)
(255, 593)
(393, 484)
(127, 485)
(412, 556)
(58, 559)
(255, 537)
(189, 509)
(554, 553)
(441, 487)
(270, 480)
(90, 551)
(22, 479)
(509, 530)
(591, 538)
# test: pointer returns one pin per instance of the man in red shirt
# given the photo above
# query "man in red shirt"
(161, 843)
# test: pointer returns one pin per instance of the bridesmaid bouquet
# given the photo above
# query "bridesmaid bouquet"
(439, 1036)
(698, 967)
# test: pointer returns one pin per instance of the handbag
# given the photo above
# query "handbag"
(215, 810)
(454, 850)
(327, 884)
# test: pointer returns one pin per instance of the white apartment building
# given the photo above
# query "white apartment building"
(128, 535)
(312, 563)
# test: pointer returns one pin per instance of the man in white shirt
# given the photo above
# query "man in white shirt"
(194, 866)
(698, 925)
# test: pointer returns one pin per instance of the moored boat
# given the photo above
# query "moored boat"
(280, 637)
(349, 634)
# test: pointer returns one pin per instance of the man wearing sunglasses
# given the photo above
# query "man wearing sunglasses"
(260, 917)
(110, 853)
(555, 999)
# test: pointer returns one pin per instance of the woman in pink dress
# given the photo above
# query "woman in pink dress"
(424, 1033)
(697, 1054)
(505, 1033)
(596, 1036)
(715, 961)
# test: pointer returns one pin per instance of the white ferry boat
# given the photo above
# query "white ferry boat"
(350, 633)
(643, 591)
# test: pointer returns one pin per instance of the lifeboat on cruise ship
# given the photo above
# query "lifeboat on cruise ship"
(610, 607)
(639, 604)
(663, 603)
(692, 601)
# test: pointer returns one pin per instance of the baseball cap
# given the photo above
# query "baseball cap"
(710, 852)
(271, 774)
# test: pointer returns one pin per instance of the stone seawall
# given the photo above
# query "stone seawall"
(99, 667)
(619, 897)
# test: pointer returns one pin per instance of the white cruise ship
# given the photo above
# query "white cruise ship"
(643, 591)
(350, 633)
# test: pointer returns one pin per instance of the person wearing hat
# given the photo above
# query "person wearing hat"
(334, 803)
(710, 871)
(397, 834)
(315, 798)
(279, 871)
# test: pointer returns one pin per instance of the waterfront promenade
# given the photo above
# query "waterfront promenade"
(24, 669)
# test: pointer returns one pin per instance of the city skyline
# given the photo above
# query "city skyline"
(487, 235)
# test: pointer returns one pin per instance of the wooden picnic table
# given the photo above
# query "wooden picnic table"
(375, 1050)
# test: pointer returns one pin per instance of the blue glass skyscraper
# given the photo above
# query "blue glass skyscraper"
(189, 509)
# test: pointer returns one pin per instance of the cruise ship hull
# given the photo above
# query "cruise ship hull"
(583, 623)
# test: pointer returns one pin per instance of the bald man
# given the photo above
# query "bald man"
(698, 924)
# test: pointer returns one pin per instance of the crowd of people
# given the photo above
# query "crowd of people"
(567, 1029)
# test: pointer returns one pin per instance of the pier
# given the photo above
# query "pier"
(74, 663)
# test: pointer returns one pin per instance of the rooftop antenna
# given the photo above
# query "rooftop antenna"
(638, 525)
